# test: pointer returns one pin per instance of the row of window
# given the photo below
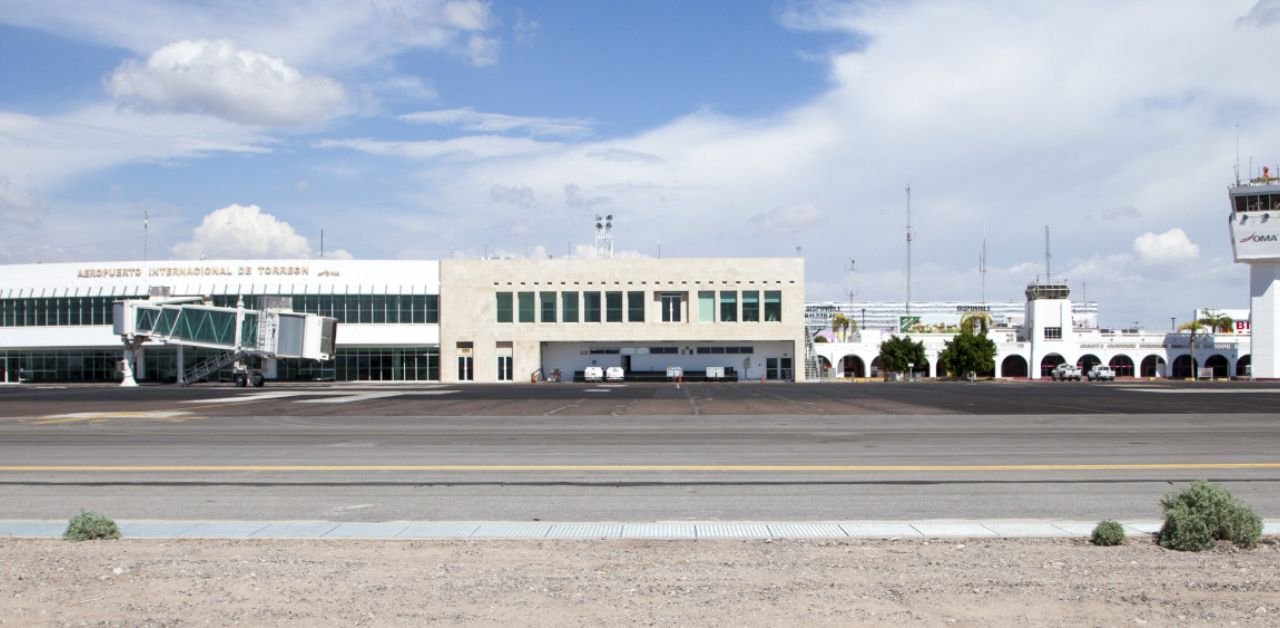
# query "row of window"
(363, 309)
(160, 365)
(726, 306)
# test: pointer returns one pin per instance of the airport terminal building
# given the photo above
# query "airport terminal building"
(484, 320)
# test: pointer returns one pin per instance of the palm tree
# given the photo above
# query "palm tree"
(981, 318)
(1215, 321)
(839, 323)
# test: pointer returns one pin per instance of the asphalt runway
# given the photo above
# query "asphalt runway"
(633, 452)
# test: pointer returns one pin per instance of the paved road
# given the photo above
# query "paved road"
(633, 452)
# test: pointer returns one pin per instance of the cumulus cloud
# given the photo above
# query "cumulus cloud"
(1170, 247)
(789, 218)
(471, 120)
(243, 231)
(220, 79)
(520, 196)
(312, 33)
(20, 203)
(573, 197)
(461, 149)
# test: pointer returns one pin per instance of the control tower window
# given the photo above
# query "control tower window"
(1053, 333)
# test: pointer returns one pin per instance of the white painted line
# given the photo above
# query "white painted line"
(152, 414)
(262, 396)
(1205, 391)
(349, 398)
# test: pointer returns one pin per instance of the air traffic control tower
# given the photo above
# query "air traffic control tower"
(1255, 240)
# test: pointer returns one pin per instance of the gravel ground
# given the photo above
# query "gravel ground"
(574, 583)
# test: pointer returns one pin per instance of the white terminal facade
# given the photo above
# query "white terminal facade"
(491, 320)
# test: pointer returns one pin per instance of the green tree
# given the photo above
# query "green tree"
(896, 354)
(1215, 321)
(968, 352)
(840, 324)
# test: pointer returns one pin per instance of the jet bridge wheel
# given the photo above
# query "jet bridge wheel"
(241, 380)
(257, 380)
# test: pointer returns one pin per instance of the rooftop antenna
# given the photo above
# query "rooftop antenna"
(146, 225)
(322, 244)
(1237, 153)
(1048, 275)
(604, 236)
(982, 268)
(908, 249)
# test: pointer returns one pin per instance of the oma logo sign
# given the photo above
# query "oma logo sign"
(1260, 237)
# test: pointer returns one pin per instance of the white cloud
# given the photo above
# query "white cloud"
(46, 151)
(217, 78)
(462, 148)
(310, 33)
(520, 196)
(20, 204)
(474, 121)
(1170, 247)
(790, 218)
(243, 232)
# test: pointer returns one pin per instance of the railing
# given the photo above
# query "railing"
(203, 369)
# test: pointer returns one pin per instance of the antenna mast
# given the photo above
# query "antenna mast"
(982, 268)
(908, 249)
(1048, 276)
(146, 226)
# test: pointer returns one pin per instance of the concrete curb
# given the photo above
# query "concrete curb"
(657, 530)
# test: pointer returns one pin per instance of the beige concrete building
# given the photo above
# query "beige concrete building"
(507, 320)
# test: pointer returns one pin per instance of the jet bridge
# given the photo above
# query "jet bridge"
(236, 333)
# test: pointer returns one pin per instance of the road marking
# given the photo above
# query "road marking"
(76, 417)
(262, 396)
(1202, 391)
(659, 468)
(350, 398)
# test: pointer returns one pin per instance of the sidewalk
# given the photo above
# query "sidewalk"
(662, 530)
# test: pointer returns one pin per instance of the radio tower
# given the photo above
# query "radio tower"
(908, 249)
(982, 268)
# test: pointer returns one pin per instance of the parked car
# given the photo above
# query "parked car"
(1101, 373)
(615, 374)
(1064, 372)
(593, 374)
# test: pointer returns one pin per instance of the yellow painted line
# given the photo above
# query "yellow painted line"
(647, 468)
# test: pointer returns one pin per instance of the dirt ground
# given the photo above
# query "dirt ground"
(579, 583)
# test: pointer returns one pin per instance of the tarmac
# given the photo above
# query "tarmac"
(545, 530)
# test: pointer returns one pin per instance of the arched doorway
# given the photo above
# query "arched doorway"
(922, 368)
(1221, 368)
(824, 364)
(876, 369)
(1048, 362)
(1152, 366)
(852, 366)
(1242, 366)
(1122, 365)
(1086, 362)
(1183, 367)
(1013, 366)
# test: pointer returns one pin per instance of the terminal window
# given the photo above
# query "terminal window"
(706, 306)
(729, 306)
(504, 307)
(671, 302)
(591, 306)
(569, 307)
(525, 301)
(773, 305)
(1053, 333)
(613, 307)
(635, 307)
(548, 300)
(750, 306)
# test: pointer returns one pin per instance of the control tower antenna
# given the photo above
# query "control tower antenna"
(1048, 276)
(1237, 153)
(146, 225)
(908, 249)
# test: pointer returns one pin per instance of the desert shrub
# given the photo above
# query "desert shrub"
(1203, 513)
(1107, 532)
(88, 526)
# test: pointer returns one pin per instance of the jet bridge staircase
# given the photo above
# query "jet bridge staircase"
(239, 336)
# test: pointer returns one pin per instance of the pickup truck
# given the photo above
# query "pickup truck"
(1064, 372)
(1101, 373)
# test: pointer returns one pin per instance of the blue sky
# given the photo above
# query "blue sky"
(438, 128)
